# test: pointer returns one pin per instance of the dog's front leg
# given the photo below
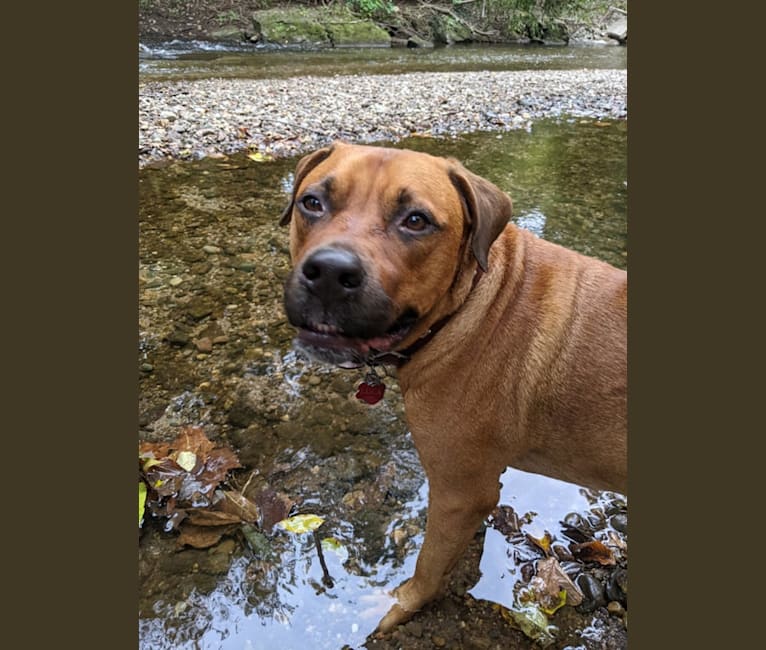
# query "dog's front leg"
(456, 507)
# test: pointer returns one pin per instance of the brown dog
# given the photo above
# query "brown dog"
(511, 351)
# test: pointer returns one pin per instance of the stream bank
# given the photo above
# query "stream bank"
(381, 23)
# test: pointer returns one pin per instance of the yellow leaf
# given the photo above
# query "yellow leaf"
(333, 545)
(550, 610)
(187, 460)
(301, 523)
(260, 157)
(141, 501)
(151, 462)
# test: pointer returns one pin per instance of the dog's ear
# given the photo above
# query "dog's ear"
(487, 208)
(305, 165)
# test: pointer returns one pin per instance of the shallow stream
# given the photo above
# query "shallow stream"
(212, 260)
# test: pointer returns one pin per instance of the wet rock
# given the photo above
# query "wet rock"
(199, 308)
(477, 643)
(178, 337)
(200, 268)
(225, 547)
(615, 506)
(414, 628)
(527, 571)
(593, 592)
(438, 641)
(147, 367)
(211, 250)
(615, 609)
(617, 586)
(244, 411)
(619, 522)
(204, 345)
(575, 520)
(562, 553)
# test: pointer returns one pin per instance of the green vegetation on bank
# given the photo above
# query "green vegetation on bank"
(406, 22)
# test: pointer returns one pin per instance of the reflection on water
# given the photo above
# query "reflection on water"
(211, 262)
(236, 615)
(545, 502)
(184, 61)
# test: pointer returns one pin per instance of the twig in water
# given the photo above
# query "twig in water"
(326, 577)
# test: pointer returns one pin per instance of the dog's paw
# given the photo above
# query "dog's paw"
(375, 605)
(395, 616)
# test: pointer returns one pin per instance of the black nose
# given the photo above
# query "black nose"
(333, 273)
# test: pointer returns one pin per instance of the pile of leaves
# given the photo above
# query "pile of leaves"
(182, 482)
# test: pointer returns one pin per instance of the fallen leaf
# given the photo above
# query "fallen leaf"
(333, 545)
(148, 450)
(593, 551)
(192, 439)
(531, 621)
(505, 520)
(165, 477)
(204, 517)
(554, 579)
(202, 536)
(237, 504)
(260, 157)
(141, 502)
(543, 543)
(301, 523)
(187, 477)
(274, 507)
(186, 459)
(218, 463)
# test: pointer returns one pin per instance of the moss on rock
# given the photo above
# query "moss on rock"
(317, 28)
(354, 33)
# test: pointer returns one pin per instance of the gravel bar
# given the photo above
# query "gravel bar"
(284, 117)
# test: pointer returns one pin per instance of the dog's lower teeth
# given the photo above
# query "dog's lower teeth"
(323, 328)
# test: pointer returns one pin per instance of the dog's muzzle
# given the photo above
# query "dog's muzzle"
(342, 313)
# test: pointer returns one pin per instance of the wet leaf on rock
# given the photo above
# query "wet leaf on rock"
(301, 523)
(593, 551)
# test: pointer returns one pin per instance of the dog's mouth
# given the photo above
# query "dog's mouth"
(323, 335)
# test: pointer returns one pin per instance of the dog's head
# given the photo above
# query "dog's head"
(380, 239)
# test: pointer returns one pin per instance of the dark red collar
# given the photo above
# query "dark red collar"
(399, 358)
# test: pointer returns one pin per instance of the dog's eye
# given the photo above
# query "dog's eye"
(311, 203)
(416, 222)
